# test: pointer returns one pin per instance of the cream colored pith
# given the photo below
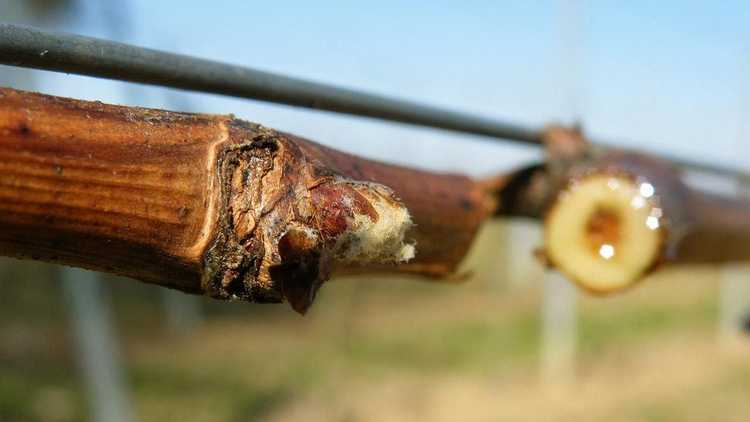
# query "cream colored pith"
(608, 266)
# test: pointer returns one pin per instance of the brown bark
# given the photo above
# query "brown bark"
(214, 205)
(718, 230)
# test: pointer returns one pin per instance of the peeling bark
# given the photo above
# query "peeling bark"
(287, 220)
(214, 205)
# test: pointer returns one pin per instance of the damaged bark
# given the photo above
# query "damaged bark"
(214, 205)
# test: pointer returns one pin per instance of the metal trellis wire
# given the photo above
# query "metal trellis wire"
(34, 48)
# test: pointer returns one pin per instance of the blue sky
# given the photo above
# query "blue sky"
(663, 76)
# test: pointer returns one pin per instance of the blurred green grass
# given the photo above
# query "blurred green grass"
(366, 337)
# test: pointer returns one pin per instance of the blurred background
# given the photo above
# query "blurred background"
(513, 343)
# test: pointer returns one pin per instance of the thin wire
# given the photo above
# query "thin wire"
(34, 48)
(29, 47)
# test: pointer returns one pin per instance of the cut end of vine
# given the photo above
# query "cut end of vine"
(605, 232)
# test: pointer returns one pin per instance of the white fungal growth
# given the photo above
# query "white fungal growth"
(380, 241)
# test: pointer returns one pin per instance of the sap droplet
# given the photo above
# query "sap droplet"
(607, 251)
(646, 190)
